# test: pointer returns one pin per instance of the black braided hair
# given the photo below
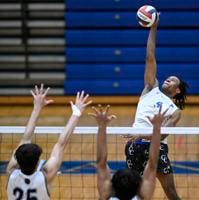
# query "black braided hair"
(180, 98)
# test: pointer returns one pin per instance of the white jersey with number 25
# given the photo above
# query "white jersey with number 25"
(24, 187)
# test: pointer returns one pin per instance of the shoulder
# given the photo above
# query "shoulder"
(152, 92)
(177, 113)
(14, 173)
(149, 88)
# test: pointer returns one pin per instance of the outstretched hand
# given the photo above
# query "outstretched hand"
(81, 101)
(157, 21)
(101, 115)
(158, 118)
(39, 95)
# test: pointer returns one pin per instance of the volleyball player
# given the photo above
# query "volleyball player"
(172, 97)
(125, 184)
(24, 181)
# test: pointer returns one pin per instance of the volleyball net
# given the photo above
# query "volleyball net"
(76, 178)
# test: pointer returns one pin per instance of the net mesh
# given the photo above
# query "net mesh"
(77, 176)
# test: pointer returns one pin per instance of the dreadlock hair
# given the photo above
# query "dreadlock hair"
(27, 156)
(180, 98)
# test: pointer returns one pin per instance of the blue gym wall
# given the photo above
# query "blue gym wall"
(105, 46)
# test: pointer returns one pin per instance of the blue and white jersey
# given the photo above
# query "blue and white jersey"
(23, 187)
(149, 105)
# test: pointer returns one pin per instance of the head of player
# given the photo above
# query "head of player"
(126, 183)
(175, 88)
(27, 156)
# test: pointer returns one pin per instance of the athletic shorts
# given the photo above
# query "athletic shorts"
(137, 155)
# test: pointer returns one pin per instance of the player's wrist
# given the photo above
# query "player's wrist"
(157, 126)
(102, 125)
(37, 108)
(76, 111)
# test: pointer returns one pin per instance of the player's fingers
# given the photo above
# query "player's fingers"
(92, 115)
(160, 109)
(100, 108)
(165, 112)
(88, 103)
(85, 98)
(77, 96)
(107, 109)
(95, 110)
(36, 90)
(46, 91)
(81, 94)
(49, 101)
(149, 118)
(33, 94)
(41, 88)
(71, 103)
(112, 117)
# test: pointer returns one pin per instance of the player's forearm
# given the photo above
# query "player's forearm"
(12, 164)
(151, 43)
(150, 68)
(101, 147)
(154, 147)
(31, 124)
(68, 130)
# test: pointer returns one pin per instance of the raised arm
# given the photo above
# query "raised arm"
(103, 171)
(39, 96)
(149, 176)
(53, 164)
(150, 69)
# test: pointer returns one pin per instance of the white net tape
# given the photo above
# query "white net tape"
(93, 130)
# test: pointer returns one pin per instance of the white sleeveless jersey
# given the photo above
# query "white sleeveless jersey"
(115, 198)
(149, 105)
(23, 187)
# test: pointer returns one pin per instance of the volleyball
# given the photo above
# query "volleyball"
(146, 16)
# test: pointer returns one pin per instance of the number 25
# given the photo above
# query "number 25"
(18, 192)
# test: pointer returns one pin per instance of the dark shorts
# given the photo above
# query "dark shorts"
(137, 155)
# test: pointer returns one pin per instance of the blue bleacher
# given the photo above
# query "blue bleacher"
(127, 71)
(105, 46)
(129, 4)
(93, 20)
(130, 37)
(130, 54)
(115, 87)
(106, 87)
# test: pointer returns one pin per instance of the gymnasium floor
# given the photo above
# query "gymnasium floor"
(77, 180)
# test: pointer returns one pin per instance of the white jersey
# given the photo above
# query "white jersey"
(149, 105)
(115, 198)
(23, 187)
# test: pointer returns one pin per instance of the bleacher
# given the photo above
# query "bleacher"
(31, 45)
(105, 46)
(93, 45)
